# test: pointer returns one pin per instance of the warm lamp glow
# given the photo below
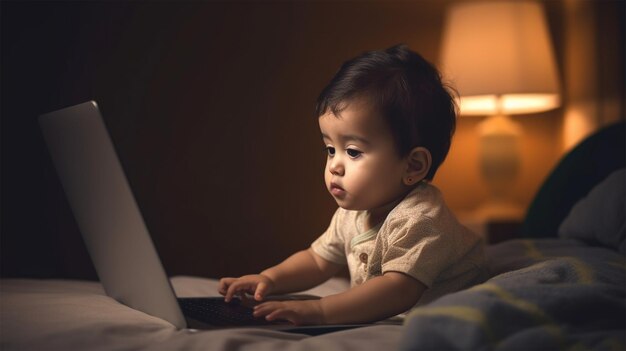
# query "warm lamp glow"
(509, 104)
(576, 126)
(499, 57)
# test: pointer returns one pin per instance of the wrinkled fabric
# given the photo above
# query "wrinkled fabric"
(544, 295)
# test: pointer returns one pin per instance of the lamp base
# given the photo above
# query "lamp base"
(500, 162)
(499, 210)
(488, 220)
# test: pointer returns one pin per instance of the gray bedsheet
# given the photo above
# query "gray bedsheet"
(65, 315)
(556, 294)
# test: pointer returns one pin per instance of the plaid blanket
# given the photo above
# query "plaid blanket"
(552, 294)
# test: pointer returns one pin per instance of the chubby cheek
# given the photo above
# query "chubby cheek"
(327, 176)
(378, 184)
(358, 183)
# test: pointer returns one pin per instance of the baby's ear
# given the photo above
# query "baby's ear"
(419, 161)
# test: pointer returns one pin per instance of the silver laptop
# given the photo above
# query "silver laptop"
(116, 236)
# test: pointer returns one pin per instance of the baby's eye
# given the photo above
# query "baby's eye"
(330, 150)
(353, 153)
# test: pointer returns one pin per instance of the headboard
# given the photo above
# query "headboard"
(574, 176)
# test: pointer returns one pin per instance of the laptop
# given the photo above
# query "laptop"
(117, 238)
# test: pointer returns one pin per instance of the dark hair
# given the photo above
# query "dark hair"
(407, 90)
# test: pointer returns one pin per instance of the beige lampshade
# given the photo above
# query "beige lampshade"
(499, 57)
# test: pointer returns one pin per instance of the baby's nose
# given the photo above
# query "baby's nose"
(336, 167)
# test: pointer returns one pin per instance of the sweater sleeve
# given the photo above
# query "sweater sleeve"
(417, 247)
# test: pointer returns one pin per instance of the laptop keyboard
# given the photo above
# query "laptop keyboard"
(215, 311)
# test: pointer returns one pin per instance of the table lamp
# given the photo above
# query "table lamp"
(499, 57)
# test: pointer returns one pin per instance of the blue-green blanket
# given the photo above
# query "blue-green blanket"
(552, 294)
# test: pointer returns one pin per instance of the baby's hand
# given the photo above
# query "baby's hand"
(254, 284)
(297, 312)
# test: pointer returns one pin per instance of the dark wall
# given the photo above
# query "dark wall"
(210, 106)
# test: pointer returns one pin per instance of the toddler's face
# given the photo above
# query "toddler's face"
(363, 170)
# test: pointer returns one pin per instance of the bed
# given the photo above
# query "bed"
(566, 290)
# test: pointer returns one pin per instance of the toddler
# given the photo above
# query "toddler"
(387, 122)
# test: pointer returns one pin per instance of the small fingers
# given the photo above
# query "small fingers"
(276, 314)
(274, 311)
(240, 286)
(233, 289)
(251, 284)
(284, 314)
(224, 284)
(264, 309)
(261, 291)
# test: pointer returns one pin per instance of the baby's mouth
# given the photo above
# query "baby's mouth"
(336, 189)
